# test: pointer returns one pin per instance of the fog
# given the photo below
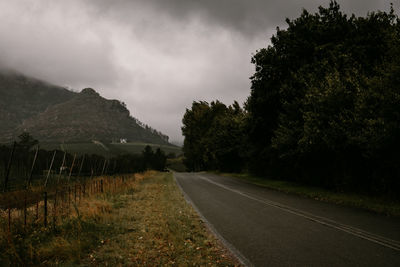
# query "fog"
(156, 56)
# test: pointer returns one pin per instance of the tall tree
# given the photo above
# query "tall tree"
(214, 136)
(324, 105)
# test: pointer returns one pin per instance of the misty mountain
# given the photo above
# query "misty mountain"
(54, 114)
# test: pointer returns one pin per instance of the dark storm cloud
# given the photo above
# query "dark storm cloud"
(248, 17)
(155, 55)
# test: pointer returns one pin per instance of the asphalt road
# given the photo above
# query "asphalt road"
(268, 228)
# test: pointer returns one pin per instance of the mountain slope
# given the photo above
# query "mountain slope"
(54, 114)
(87, 116)
(22, 97)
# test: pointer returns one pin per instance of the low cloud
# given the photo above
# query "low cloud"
(155, 55)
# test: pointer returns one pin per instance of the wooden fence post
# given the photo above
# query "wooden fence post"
(9, 219)
(62, 167)
(62, 196)
(80, 168)
(45, 209)
(55, 211)
(25, 210)
(37, 209)
(9, 167)
(33, 166)
(72, 166)
(51, 165)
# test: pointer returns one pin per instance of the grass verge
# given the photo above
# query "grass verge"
(373, 204)
(145, 223)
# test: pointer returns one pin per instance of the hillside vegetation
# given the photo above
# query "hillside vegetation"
(22, 97)
(53, 114)
(324, 108)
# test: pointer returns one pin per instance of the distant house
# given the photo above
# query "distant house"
(123, 140)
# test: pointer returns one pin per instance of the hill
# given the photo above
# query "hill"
(53, 114)
(22, 97)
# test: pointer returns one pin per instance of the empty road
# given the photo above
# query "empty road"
(268, 228)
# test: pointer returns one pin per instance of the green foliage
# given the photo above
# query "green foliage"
(213, 136)
(324, 107)
(324, 104)
(27, 141)
(154, 160)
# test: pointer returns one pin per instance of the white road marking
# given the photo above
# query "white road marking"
(243, 260)
(386, 242)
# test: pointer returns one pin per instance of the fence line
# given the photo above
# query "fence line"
(46, 208)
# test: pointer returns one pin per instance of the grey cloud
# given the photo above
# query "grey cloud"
(42, 43)
(155, 55)
(248, 17)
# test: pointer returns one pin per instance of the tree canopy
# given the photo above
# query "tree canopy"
(213, 136)
(324, 106)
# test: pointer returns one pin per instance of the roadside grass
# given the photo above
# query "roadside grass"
(159, 228)
(373, 204)
(145, 222)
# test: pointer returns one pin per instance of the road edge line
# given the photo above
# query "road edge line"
(234, 251)
(318, 219)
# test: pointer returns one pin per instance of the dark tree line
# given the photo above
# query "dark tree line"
(324, 107)
(148, 160)
(213, 136)
(82, 165)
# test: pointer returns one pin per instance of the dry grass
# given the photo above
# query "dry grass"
(159, 228)
(144, 221)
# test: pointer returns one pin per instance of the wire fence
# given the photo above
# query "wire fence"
(22, 168)
(40, 188)
(46, 207)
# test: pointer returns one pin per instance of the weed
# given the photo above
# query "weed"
(142, 221)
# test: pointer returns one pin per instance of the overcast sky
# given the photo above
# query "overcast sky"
(157, 56)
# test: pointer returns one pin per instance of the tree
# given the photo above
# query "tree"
(214, 136)
(324, 102)
(160, 160)
(148, 156)
(195, 125)
(26, 141)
